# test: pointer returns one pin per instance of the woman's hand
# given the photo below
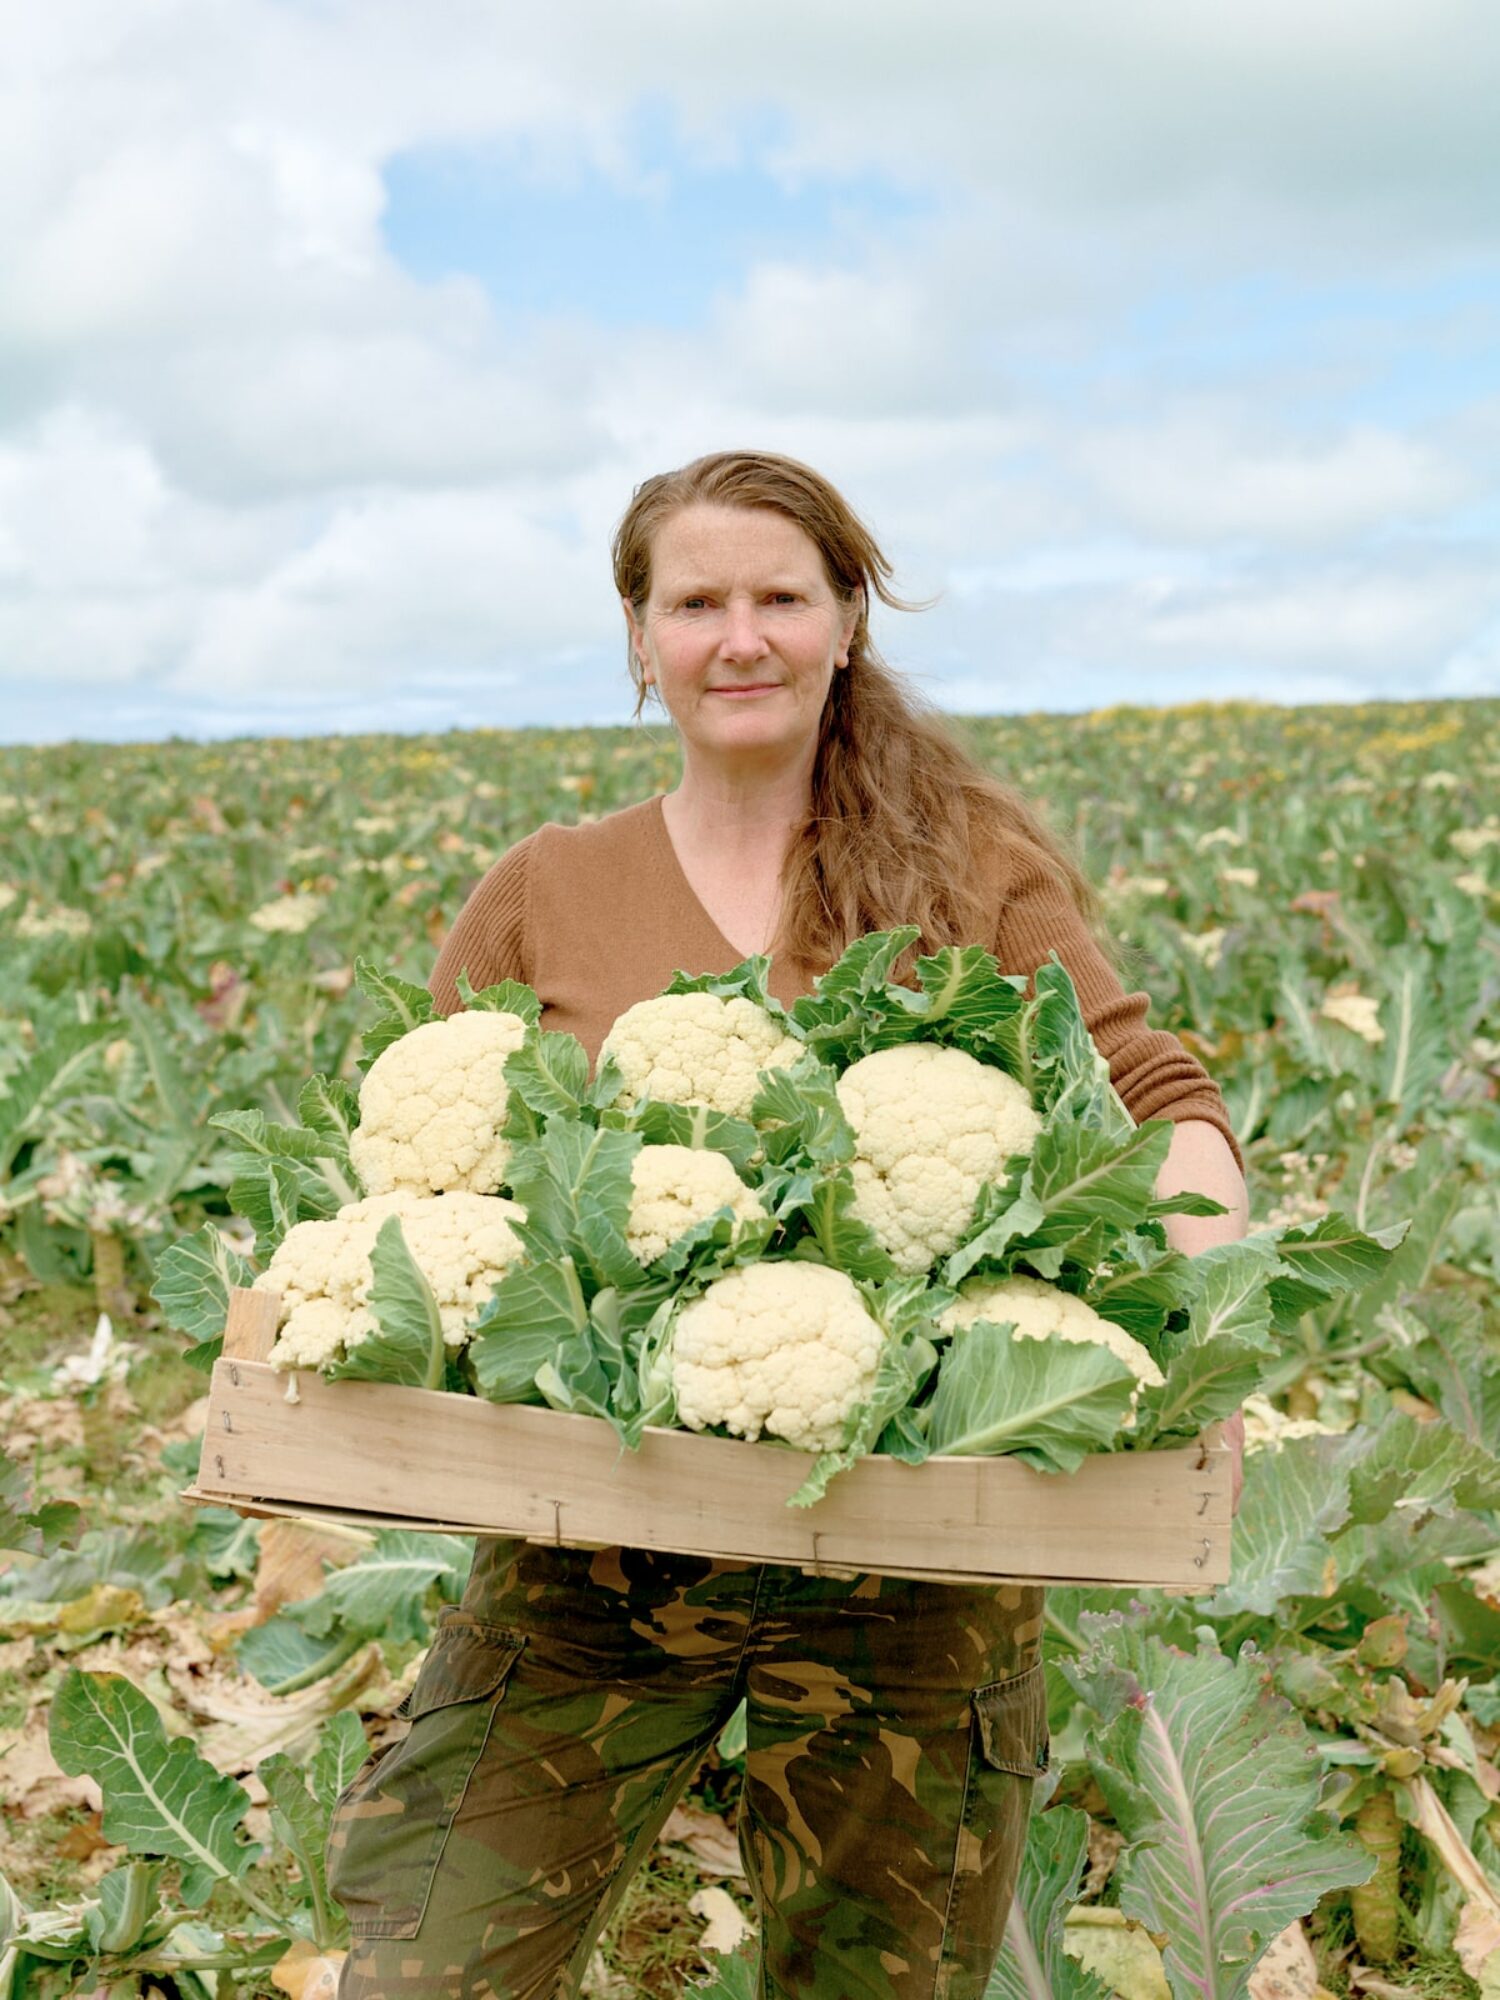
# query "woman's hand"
(1200, 1159)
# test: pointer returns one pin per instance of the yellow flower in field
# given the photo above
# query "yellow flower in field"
(1206, 945)
(1473, 883)
(1140, 885)
(61, 922)
(1356, 1011)
(1220, 836)
(7, 895)
(1472, 840)
(371, 823)
(288, 913)
(1442, 781)
(1240, 878)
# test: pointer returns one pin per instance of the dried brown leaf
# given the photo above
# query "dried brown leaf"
(711, 1844)
(307, 1973)
(1477, 1942)
(84, 1839)
(1287, 1969)
(1122, 1953)
(246, 1723)
(724, 1923)
(290, 1564)
(30, 1782)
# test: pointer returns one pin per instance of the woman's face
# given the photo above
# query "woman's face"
(741, 634)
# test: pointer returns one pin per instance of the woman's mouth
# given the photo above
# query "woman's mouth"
(742, 693)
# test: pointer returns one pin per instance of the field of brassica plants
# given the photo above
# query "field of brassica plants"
(1306, 1759)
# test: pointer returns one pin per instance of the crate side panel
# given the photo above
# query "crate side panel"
(370, 1447)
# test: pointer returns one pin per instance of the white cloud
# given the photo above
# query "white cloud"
(1364, 617)
(387, 405)
(80, 505)
(1209, 475)
(403, 585)
(1472, 669)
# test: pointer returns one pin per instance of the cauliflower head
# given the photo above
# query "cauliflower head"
(1040, 1311)
(674, 1187)
(931, 1125)
(787, 1349)
(432, 1104)
(694, 1048)
(462, 1243)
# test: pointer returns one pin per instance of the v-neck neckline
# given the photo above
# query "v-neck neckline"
(674, 864)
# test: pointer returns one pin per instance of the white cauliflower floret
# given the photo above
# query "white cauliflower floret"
(674, 1187)
(693, 1048)
(931, 1125)
(1359, 1012)
(1040, 1311)
(462, 1243)
(787, 1349)
(318, 1332)
(432, 1104)
(1268, 1429)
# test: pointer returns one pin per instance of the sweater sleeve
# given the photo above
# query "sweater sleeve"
(489, 936)
(1154, 1074)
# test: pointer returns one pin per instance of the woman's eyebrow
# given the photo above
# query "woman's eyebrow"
(695, 584)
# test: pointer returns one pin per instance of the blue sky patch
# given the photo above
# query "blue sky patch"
(651, 253)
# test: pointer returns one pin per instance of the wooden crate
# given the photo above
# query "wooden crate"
(373, 1454)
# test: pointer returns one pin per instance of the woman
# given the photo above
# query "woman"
(895, 1728)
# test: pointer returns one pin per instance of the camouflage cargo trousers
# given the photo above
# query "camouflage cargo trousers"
(895, 1732)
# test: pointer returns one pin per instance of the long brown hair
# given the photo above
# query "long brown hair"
(901, 812)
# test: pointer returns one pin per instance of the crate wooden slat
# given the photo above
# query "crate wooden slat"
(376, 1454)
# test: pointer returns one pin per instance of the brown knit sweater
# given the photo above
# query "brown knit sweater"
(596, 917)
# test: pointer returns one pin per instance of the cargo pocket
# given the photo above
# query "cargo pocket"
(1009, 1749)
(391, 1823)
(1012, 1719)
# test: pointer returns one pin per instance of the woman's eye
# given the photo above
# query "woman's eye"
(785, 596)
(693, 603)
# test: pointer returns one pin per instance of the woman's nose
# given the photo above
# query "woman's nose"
(742, 636)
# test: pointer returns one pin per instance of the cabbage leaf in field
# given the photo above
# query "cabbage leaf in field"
(160, 1797)
(1306, 1504)
(27, 1526)
(193, 1281)
(1033, 1965)
(1214, 1782)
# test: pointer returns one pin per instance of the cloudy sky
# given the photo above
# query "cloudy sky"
(1160, 342)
